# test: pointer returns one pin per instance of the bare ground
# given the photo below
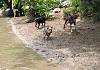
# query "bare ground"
(79, 50)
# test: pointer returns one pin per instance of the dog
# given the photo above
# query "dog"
(71, 19)
(40, 20)
(47, 31)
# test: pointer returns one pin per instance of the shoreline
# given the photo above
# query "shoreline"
(15, 56)
(39, 47)
(70, 51)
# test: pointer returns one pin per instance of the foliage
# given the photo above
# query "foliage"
(87, 7)
(1, 4)
(18, 4)
(44, 6)
(41, 6)
(67, 11)
(4, 3)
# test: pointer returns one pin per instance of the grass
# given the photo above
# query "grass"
(13, 54)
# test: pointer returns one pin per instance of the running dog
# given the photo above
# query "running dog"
(71, 19)
(47, 31)
(40, 20)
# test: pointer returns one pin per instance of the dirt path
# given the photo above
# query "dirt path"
(13, 54)
(79, 50)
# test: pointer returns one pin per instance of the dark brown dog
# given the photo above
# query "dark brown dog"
(71, 19)
(40, 20)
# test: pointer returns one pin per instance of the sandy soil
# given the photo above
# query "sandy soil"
(79, 50)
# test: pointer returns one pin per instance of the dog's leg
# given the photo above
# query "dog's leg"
(38, 25)
(75, 25)
(71, 27)
(44, 37)
(47, 37)
(44, 24)
(65, 24)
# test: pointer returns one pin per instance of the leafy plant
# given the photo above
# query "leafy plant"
(87, 7)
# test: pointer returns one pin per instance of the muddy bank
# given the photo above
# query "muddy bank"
(76, 51)
(33, 38)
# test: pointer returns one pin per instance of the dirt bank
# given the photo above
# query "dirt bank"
(73, 51)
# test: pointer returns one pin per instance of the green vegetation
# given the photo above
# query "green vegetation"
(87, 8)
(41, 6)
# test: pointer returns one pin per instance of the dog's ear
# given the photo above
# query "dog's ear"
(47, 27)
(51, 26)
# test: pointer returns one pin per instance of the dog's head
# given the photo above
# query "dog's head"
(49, 29)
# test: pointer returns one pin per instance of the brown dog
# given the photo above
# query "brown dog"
(71, 19)
(47, 32)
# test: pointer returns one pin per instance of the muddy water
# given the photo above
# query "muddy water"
(14, 55)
